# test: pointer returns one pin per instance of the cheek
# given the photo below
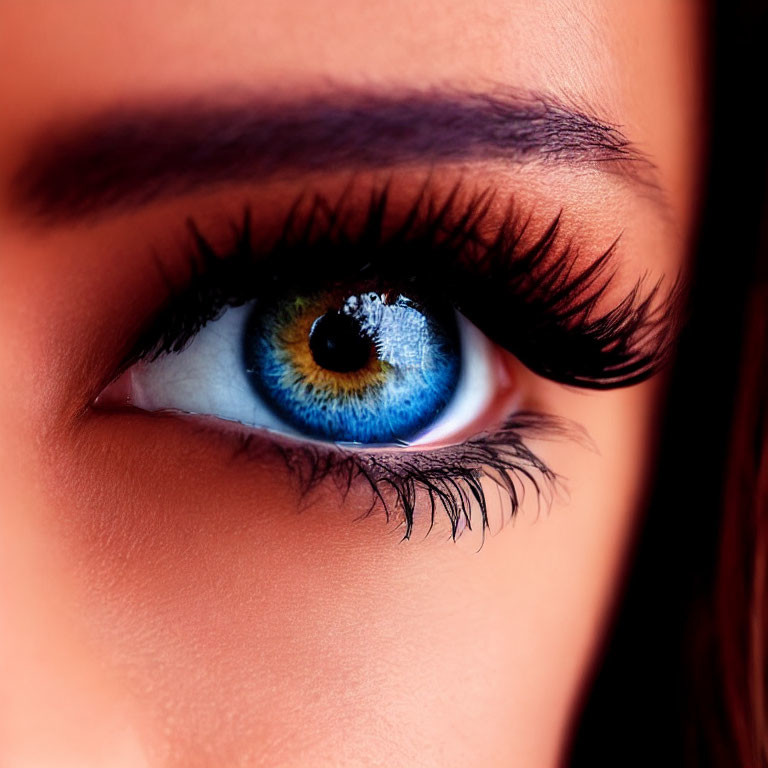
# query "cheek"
(214, 606)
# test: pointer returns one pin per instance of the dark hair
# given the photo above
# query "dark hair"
(683, 679)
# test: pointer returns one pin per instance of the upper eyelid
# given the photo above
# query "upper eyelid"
(633, 318)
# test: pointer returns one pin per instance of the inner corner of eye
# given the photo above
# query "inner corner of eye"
(354, 366)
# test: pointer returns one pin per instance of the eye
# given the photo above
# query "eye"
(390, 343)
(358, 364)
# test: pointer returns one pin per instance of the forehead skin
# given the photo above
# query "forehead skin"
(304, 640)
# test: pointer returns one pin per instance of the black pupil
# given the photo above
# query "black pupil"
(338, 343)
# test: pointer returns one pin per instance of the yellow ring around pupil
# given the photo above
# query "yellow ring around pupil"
(293, 339)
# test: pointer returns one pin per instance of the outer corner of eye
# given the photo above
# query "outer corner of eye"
(350, 366)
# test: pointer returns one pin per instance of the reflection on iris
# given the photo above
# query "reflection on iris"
(367, 366)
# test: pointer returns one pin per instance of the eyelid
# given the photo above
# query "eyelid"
(525, 292)
(407, 485)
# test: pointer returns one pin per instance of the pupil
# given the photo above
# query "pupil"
(338, 344)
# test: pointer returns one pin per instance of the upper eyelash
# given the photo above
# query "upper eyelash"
(527, 297)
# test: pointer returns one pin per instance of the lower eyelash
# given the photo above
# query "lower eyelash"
(449, 477)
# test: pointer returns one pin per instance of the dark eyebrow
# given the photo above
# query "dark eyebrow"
(128, 156)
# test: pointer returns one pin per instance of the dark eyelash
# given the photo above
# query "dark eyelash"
(552, 323)
(528, 297)
(449, 477)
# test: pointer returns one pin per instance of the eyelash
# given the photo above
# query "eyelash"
(496, 282)
(449, 476)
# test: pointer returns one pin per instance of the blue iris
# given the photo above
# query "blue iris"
(369, 367)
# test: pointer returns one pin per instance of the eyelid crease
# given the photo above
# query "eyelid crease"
(524, 293)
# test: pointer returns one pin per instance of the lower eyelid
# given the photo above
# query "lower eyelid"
(405, 485)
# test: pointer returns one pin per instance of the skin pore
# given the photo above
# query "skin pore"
(165, 604)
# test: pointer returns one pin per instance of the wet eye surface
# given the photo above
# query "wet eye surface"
(344, 365)
(369, 366)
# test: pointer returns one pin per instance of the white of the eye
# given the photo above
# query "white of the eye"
(473, 390)
(209, 377)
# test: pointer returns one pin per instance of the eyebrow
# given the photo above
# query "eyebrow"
(128, 156)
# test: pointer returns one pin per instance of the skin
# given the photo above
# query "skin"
(164, 605)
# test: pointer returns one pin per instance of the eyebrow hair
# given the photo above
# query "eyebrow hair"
(131, 155)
